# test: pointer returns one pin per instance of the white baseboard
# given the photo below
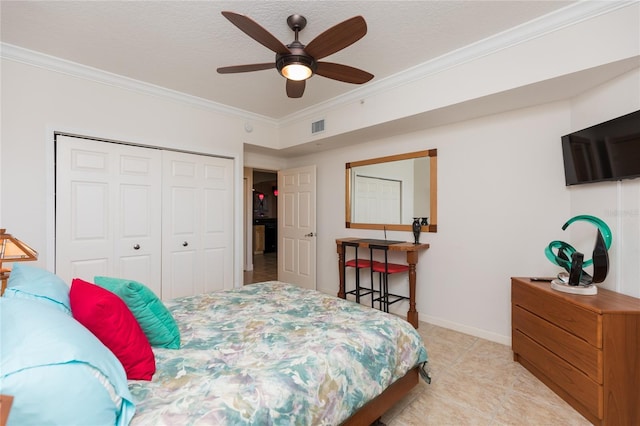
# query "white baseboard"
(477, 332)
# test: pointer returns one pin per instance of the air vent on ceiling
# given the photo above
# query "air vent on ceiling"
(317, 126)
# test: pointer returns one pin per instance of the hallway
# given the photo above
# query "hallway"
(265, 268)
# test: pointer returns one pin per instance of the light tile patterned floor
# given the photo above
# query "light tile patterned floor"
(474, 381)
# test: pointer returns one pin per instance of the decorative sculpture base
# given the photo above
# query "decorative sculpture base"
(585, 290)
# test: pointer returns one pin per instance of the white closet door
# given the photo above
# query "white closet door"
(379, 200)
(108, 209)
(197, 224)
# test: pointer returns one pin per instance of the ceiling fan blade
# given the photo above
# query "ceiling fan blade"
(343, 73)
(295, 89)
(256, 32)
(337, 38)
(246, 68)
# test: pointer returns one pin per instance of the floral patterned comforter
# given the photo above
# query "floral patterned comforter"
(274, 354)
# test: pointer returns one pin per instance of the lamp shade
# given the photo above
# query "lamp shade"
(296, 72)
(298, 66)
(14, 250)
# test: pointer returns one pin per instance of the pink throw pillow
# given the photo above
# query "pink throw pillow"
(111, 321)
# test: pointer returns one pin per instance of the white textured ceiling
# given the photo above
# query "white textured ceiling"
(179, 44)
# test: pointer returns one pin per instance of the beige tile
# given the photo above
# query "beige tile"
(469, 392)
(429, 408)
(442, 355)
(527, 384)
(488, 362)
(476, 382)
(406, 401)
(444, 347)
(520, 409)
(265, 268)
(440, 333)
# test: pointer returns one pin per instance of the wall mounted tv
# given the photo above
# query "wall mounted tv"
(606, 151)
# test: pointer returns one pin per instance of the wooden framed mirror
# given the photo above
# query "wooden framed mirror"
(389, 192)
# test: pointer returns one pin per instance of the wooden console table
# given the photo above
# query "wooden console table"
(410, 249)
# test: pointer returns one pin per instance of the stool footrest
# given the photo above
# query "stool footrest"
(387, 298)
(362, 291)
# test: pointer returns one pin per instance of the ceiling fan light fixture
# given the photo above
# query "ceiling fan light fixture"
(295, 67)
(296, 72)
(298, 62)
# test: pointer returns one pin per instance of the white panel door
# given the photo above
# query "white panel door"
(297, 226)
(197, 224)
(107, 211)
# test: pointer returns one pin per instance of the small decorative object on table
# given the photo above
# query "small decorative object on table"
(576, 280)
(417, 228)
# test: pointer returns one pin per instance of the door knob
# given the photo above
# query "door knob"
(184, 244)
(136, 247)
(310, 234)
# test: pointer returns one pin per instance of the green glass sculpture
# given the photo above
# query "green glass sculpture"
(599, 259)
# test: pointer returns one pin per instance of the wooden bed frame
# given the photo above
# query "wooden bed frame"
(375, 408)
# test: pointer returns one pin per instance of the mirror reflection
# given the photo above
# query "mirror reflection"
(390, 192)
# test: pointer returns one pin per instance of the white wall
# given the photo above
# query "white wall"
(501, 197)
(36, 102)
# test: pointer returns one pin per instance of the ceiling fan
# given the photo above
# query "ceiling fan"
(297, 62)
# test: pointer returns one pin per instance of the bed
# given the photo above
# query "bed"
(271, 353)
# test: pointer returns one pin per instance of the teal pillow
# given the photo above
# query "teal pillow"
(154, 318)
(31, 282)
(57, 371)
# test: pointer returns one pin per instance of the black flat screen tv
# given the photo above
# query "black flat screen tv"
(606, 151)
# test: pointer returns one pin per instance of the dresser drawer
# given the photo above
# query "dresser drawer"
(564, 375)
(580, 322)
(579, 353)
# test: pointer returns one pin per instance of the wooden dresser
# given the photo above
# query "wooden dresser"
(585, 348)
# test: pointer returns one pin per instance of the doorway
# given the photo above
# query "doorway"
(264, 227)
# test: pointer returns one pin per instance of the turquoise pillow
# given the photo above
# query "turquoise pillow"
(31, 282)
(57, 371)
(154, 318)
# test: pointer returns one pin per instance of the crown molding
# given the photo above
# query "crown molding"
(564, 17)
(570, 15)
(30, 57)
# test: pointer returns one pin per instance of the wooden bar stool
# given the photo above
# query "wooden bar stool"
(385, 269)
(359, 264)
